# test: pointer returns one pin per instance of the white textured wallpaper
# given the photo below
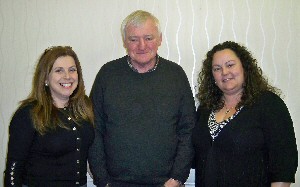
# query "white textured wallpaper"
(269, 28)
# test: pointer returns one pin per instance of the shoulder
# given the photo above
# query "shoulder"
(117, 63)
(202, 111)
(269, 98)
(270, 104)
(111, 67)
(169, 64)
(172, 69)
(22, 117)
(269, 94)
(23, 111)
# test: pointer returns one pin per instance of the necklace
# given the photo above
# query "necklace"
(227, 109)
(236, 98)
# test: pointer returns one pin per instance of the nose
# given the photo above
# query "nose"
(67, 74)
(142, 43)
(224, 71)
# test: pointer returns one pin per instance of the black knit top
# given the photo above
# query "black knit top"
(143, 122)
(57, 158)
(255, 148)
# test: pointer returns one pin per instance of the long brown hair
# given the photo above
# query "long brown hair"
(210, 95)
(44, 113)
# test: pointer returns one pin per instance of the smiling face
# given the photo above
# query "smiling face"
(228, 71)
(62, 80)
(142, 42)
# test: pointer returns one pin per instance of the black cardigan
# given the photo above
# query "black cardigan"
(256, 148)
(56, 159)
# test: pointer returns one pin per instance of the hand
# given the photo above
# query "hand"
(280, 184)
(172, 183)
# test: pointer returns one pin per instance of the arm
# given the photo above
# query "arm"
(21, 135)
(280, 140)
(183, 160)
(97, 157)
(195, 136)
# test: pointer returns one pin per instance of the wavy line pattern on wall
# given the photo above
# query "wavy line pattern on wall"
(269, 28)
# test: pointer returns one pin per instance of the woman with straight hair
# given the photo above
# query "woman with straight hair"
(51, 131)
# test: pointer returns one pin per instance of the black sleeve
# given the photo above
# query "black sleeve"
(97, 157)
(195, 134)
(21, 135)
(185, 152)
(280, 139)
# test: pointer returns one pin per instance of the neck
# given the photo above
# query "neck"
(232, 100)
(61, 104)
(143, 67)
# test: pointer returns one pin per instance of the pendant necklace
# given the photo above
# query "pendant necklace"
(228, 109)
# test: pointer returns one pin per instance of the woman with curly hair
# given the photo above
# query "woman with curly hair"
(244, 134)
(52, 130)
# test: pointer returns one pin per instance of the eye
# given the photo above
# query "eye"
(58, 70)
(131, 39)
(230, 65)
(73, 69)
(149, 38)
(216, 69)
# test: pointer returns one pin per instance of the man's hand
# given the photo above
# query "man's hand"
(173, 183)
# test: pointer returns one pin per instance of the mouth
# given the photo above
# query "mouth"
(66, 85)
(141, 53)
(225, 80)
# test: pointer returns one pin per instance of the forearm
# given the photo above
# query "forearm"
(13, 173)
(185, 152)
(21, 136)
(97, 161)
(183, 160)
(280, 184)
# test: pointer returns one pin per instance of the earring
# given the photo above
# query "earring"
(46, 84)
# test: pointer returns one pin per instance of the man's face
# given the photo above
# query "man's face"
(142, 43)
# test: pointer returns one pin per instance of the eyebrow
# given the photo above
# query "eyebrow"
(225, 63)
(147, 35)
(59, 67)
(230, 61)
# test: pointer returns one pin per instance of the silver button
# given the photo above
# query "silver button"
(77, 161)
(77, 182)
(74, 128)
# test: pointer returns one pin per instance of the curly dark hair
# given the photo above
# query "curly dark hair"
(209, 94)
